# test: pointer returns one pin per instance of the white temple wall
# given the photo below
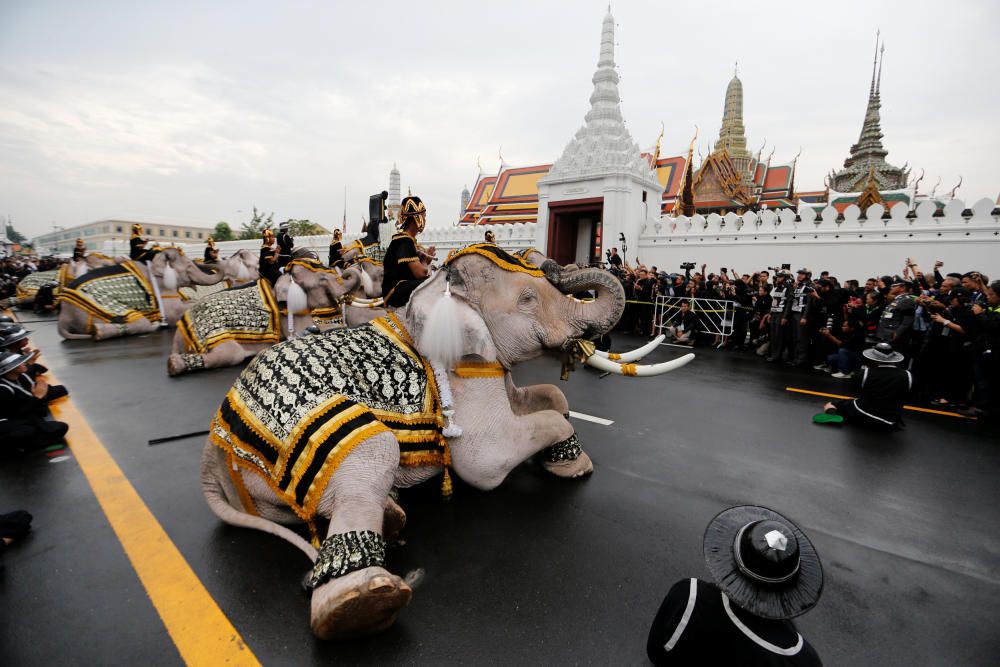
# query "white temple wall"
(854, 248)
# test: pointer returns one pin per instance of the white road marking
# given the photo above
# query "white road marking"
(589, 418)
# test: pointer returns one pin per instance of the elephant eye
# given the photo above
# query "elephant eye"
(527, 299)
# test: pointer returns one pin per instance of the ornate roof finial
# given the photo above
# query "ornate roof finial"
(871, 89)
(736, 69)
(878, 82)
(951, 195)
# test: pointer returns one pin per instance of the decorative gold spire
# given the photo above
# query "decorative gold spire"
(732, 135)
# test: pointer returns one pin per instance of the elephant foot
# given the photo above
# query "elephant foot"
(567, 459)
(360, 603)
(393, 520)
(175, 365)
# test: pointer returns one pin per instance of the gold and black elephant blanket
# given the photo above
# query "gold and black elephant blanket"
(302, 406)
(120, 293)
(31, 283)
(245, 314)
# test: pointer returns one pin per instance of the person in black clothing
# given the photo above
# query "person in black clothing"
(404, 267)
(336, 248)
(137, 246)
(766, 572)
(23, 426)
(897, 318)
(267, 266)
(14, 338)
(781, 294)
(614, 259)
(682, 328)
(884, 387)
(644, 309)
(211, 255)
(740, 292)
(986, 399)
(79, 250)
(285, 245)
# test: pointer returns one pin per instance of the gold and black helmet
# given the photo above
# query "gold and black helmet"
(210, 242)
(268, 237)
(136, 229)
(411, 209)
(490, 236)
(337, 235)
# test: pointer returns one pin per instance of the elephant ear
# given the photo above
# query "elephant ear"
(445, 326)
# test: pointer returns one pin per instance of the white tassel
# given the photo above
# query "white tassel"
(297, 302)
(451, 429)
(169, 277)
(366, 283)
(441, 337)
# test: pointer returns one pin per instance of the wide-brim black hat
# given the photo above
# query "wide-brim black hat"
(12, 333)
(11, 360)
(776, 600)
(882, 354)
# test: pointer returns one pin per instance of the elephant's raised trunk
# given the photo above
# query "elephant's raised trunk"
(592, 318)
(199, 277)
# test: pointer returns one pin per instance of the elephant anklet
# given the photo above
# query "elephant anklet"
(344, 553)
(567, 450)
(193, 362)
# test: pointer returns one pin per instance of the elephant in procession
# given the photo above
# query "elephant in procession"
(324, 426)
(121, 300)
(225, 328)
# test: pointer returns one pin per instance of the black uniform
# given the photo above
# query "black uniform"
(285, 245)
(211, 255)
(798, 309)
(398, 281)
(780, 297)
(267, 268)
(137, 249)
(79, 254)
(880, 402)
(22, 418)
(335, 254)
(897, 322)
(698, 625)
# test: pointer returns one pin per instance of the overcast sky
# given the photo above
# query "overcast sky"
(195, 111)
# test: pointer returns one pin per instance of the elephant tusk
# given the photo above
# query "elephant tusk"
(365, 303)
(637, 370)
(634, 355)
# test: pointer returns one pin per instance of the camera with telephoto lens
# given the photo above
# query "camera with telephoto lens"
(687, 266)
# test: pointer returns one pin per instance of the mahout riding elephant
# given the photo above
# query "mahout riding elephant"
(324, 426)
(120, 300)
(239, 268)
(225, 328)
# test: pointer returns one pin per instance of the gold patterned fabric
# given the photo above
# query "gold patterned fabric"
(302, 406)
(31, 283)
(117, 294)
(498, 256)
(245, 314)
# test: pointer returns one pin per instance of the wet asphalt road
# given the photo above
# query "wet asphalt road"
(542, 570)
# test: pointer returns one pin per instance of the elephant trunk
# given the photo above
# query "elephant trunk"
(199, 277)
(592, 318)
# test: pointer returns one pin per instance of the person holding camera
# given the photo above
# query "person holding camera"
(781, 294)
(614, 259)
(897, 318)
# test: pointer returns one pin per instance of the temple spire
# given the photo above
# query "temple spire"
(603, 145)
(866, 163)
(732, 134)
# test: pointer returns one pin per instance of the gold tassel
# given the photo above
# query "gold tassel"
(314, 536)
(446, 480)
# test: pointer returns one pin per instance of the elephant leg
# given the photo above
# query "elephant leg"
(565, 458)
(229, 353)
(354, 594)
(140, 326)
(393, 519)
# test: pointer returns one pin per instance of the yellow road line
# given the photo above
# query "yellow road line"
(199, 629)
(905, 407)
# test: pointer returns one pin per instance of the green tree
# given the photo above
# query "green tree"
(223, 232)
(14, 236)
(305, 228)
(255, 228)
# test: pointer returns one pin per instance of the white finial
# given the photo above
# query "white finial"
(776, 540)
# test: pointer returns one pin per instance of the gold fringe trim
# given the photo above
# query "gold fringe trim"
(629, 369)
(480, 369)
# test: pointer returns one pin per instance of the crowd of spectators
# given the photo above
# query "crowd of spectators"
(13, 269)
(947, 325)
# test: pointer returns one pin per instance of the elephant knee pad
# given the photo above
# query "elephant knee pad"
(193, 362)
(567, 450)
(344, 553)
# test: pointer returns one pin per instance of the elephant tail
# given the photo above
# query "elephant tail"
(215, 495)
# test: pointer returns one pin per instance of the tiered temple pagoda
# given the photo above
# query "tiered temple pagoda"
(729, 179)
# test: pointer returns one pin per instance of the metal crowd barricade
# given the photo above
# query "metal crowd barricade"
(715, 316)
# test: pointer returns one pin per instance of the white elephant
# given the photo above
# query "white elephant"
(325, 426)
(225, 328)
(121, 300)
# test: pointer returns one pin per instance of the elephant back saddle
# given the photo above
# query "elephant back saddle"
(120, 293)
(302, 406)
(245, 314)
(31, 283)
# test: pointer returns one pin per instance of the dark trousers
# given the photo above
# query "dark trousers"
(740, 320)
(777, 337)
(20, 435)
(800, 339)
